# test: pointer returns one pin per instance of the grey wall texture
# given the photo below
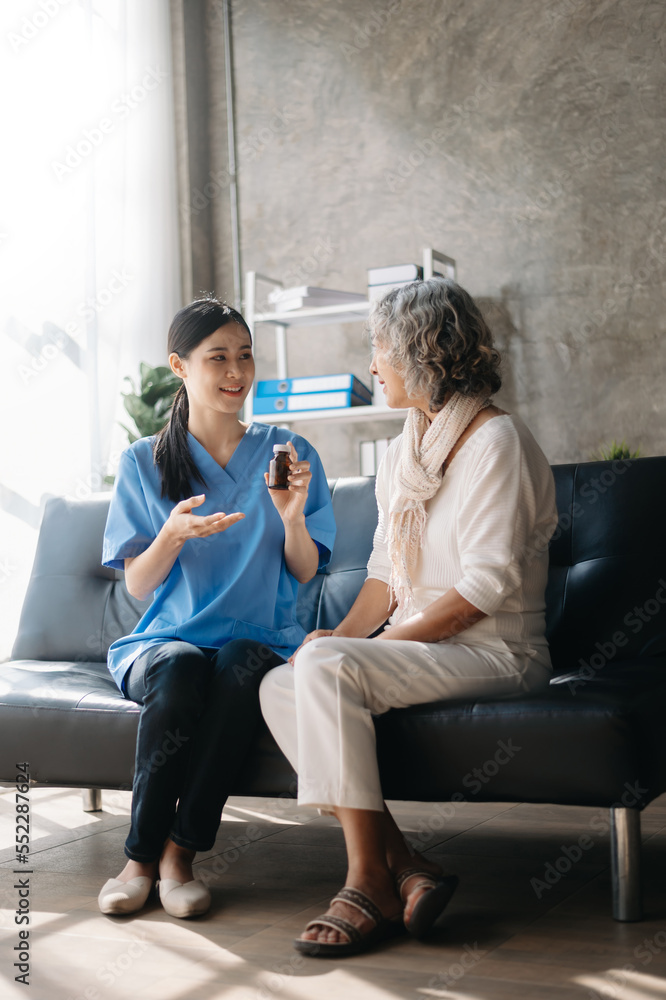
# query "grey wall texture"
(525, 139)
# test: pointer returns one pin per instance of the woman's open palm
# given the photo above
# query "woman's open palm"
(185, 524)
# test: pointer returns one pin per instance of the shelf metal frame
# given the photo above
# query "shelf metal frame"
(346, 312)
(431, 256)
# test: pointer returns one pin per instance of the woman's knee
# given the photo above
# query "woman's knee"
(242, 663)
(276, 686)
(179, 670)
(312, 649)
(322, 660)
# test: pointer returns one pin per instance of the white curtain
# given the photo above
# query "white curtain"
(89, 270)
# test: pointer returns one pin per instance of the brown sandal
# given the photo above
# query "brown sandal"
(358, 942)
(431, 904)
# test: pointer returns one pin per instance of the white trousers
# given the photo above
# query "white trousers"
(320, 710)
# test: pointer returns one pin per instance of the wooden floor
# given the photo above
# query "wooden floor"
(531, 917)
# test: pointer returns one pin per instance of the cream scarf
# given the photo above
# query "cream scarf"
(424, 449)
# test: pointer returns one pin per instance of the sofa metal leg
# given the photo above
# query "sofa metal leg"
(92, 799)
(626, 863)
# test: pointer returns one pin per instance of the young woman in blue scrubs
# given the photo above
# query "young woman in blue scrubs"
(193, 523)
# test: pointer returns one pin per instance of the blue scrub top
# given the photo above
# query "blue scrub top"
(231, 585)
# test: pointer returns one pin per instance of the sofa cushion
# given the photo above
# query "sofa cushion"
(68, 721)
(61, 684)
(576, 744)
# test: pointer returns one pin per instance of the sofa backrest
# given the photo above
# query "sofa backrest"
(606, 595)
(325, 600)
(74, 607)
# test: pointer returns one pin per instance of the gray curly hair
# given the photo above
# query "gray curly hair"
(435, 337)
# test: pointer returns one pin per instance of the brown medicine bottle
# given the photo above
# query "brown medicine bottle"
(278, 469)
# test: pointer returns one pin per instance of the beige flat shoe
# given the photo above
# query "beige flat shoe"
(118, 897)
(184, 899)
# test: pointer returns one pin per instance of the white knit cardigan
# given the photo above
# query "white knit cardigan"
(486, 534)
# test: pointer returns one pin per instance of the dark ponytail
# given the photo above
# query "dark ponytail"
(172, 455)
(171, 451)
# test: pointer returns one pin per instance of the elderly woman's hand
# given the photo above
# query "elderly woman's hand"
(317, 634)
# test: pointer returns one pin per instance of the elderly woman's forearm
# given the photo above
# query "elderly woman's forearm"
(447, 616)
(374, 604)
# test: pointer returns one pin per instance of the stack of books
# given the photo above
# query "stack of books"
(308, 296)
(382, 279)
(316, 392)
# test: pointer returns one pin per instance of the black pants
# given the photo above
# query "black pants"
(200, 711)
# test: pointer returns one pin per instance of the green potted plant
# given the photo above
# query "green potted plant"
(149, 405)
(614, 451)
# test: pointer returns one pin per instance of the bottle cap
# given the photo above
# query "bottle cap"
(280, 447)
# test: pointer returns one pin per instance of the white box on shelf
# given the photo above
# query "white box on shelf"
(378, 398)
(307, 296)
(396, 274)
(367, 455)
(381, 447)
(371, 454)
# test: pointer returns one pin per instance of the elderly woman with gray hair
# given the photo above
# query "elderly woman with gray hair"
(465, 499)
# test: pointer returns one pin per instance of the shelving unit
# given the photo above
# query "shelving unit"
(323, 315)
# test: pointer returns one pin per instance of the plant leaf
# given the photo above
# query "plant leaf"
(130, 434)
(150, 405)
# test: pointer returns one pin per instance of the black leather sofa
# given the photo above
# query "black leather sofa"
(595, 738)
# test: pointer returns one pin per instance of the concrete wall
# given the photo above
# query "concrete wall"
(525, 139)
